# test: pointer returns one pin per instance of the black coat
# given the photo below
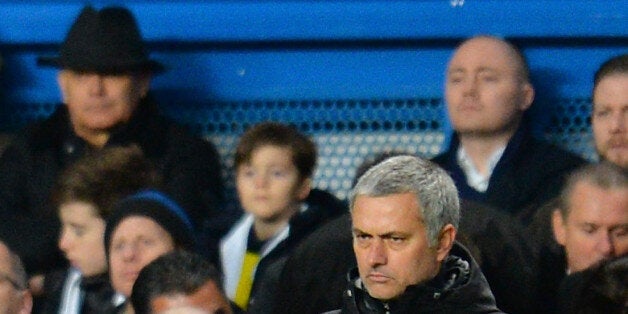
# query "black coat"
(529, 174)
(313, 278)
(29, 167)
(459, 287)
(552, 262)
(503, 250)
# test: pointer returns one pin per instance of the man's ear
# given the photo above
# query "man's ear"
(558, 226)
(445, 242)
(143, 81)
(527, 96)
(27, 302)
(304, 189)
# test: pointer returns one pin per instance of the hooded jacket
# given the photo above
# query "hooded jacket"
(459, 287)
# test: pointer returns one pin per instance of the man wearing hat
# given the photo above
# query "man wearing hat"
(104, 78)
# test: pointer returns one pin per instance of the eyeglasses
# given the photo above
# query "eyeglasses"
(5, 277)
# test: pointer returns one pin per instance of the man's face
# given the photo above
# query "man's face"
(484, 90)
(135, 242)
(208, 297)
(12, 299)
(96, 102)
(610, 118)
(596, 227)
(391, 245)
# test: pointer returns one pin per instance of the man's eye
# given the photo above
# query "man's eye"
(589, 229)
(118, 246)
(147, 242)
(455, 79)
(362, 238)
(601, 113)
(619, 232)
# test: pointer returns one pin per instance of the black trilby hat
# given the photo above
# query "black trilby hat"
(106, 41)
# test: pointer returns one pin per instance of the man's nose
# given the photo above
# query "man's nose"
(95, 84)
(618, 122)
(469, 86)
(605, 244)
(129, 252)
(377, 253)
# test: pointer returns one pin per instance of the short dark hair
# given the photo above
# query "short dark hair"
(604, 175)
(104, 176)
(177, 272)
(277, 134)
(614, 65)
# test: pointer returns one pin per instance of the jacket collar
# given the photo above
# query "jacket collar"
(459, 282)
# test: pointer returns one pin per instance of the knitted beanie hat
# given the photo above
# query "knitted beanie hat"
(158, 207)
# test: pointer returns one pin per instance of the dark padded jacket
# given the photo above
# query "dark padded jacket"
(313, 278)
(459, 287)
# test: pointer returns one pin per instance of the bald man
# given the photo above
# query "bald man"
(493, 157)
(14, 295)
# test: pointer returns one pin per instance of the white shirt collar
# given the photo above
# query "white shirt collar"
(475, 179)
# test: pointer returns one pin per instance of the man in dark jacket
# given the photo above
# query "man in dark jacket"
(104, 79)
(493, 157)
(405, 213)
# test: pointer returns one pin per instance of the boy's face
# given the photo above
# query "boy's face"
(82, 236)
(269, 185)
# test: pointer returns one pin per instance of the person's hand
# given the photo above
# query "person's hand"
(36, 285)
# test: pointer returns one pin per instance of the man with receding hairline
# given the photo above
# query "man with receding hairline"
(493, 157)
(405, 214)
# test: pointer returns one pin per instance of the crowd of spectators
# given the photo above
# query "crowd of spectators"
(108, 206)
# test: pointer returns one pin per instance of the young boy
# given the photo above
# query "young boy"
(274, 164)
(85, 195)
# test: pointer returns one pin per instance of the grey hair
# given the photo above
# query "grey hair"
(604, 175)
(435, 190)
